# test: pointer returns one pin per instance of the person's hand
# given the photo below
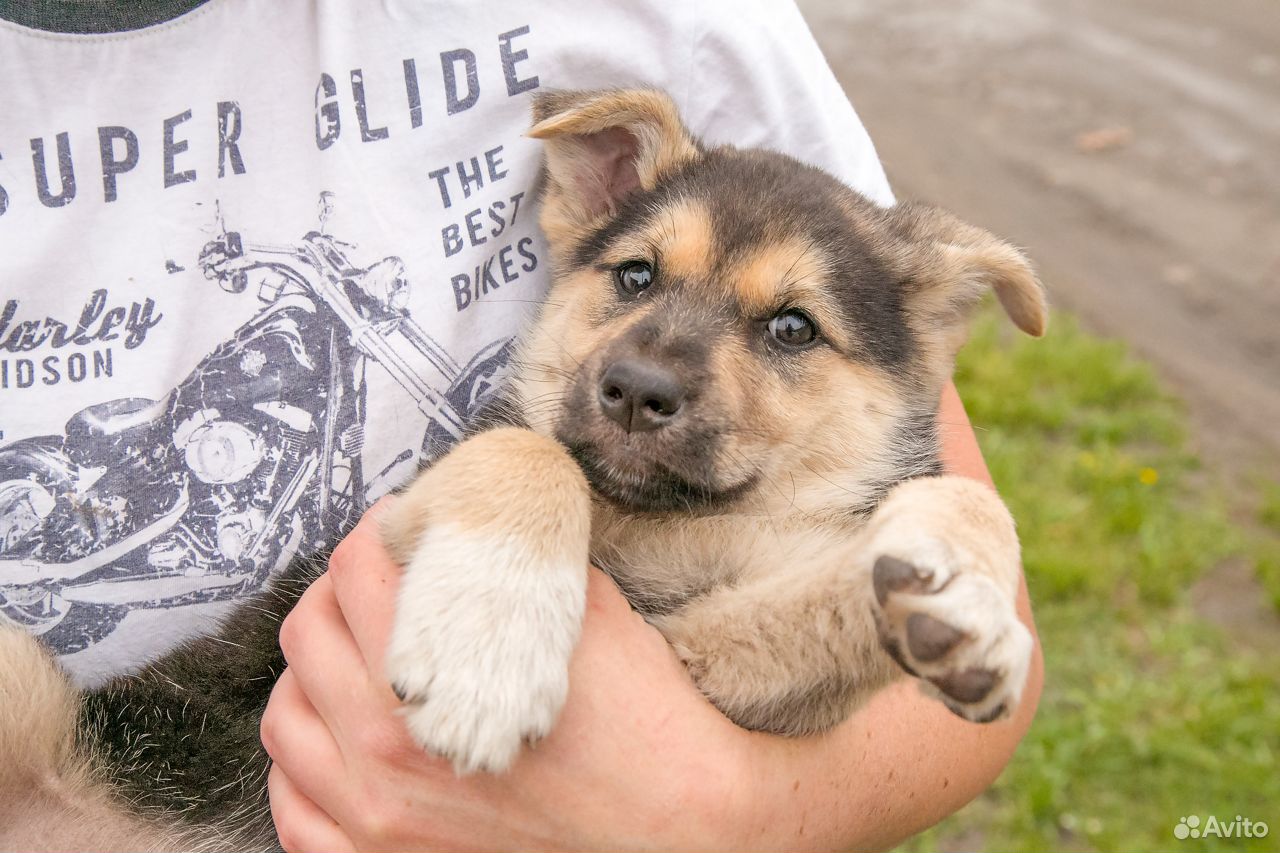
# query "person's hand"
(637, 760)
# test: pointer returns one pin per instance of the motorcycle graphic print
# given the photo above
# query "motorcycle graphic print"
(254, 457)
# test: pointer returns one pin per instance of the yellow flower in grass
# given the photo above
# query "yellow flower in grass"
(1149, 476)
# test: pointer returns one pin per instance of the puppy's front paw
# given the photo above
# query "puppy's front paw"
(955, 628)
(480, 649)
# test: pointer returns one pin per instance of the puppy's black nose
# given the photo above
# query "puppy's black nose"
(640, 395)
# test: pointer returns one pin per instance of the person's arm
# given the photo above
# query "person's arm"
(638, 759)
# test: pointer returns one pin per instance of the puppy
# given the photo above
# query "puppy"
(727, 402)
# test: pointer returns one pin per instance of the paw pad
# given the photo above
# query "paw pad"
(929, 638)
(967, 686)
(893, 575)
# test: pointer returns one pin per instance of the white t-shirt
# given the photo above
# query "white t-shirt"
(258, 261)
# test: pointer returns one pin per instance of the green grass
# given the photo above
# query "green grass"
(1269, 514)
(1149, 714)
(1268, 551)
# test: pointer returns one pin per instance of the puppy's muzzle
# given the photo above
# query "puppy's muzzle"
(640, 395)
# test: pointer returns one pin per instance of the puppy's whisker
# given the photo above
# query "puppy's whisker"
(550, 302)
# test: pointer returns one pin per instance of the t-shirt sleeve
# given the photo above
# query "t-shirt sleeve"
(758, 79)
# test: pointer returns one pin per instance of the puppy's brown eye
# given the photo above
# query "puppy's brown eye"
(793, 328)
(634, 277)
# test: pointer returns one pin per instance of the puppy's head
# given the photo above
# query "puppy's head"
(729, 323)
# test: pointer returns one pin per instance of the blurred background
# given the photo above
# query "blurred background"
(1133, 148)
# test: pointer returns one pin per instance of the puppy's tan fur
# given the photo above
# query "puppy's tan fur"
(775, 602)
(51, 792)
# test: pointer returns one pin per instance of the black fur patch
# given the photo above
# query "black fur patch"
(661, 490)
(181, 737)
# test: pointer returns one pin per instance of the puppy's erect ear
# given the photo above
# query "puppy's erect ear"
(955, 263)
(601, 146)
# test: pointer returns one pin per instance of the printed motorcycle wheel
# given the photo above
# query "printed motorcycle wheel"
(34, 472)
(64, 626)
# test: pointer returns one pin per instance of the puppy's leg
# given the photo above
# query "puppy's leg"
(928, 587)
(792, 651)
(946, 571)
(494, 542)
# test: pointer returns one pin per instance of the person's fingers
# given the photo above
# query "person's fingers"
(300, 743)
(301, 825)
(324, 658)
(365, 580)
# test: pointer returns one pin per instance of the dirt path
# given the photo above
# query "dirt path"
(1133, 148)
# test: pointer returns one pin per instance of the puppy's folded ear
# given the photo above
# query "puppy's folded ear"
(952, 264)
(601, 146)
